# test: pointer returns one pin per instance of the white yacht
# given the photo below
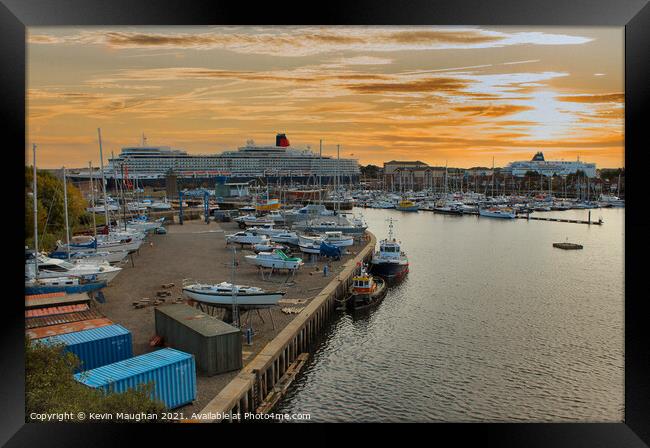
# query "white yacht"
(54, 267)
(286, 237)
(247, 237)
(337, 239)
(92, 257)
(101, 244)
(252, 220)
(223, 294)
(495, 212)
(611, 201)
(265, 229)
(310, 244)
(326, 225)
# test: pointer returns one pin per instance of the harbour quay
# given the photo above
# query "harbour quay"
(198, 252)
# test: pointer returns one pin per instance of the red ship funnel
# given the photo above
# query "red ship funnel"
(281, 140)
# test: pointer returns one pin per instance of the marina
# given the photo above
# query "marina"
(338, 255)
(227, 261)
(326, 224)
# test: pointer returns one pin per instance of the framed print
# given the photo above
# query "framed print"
(361, 213)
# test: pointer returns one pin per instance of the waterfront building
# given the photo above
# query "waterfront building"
(416, 175)
(550, 168)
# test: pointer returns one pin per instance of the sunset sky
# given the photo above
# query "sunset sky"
(456, 95)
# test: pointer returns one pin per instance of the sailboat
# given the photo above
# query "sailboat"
(222, 294)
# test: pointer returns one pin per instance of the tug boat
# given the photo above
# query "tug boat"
(390, 262)
(366, 290)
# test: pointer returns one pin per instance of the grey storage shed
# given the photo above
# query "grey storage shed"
(216, 345)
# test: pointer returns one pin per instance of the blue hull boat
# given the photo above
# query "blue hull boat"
(68, 289)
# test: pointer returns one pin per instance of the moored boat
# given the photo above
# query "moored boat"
(366, 290)
(390, 262)
(406, 205)
(494, 212)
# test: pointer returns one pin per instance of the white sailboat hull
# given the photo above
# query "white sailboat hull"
(256, 300)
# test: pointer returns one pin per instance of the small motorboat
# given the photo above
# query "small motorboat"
(276, 259)
(494, 212)
(366, 290)
(286, 238)
(310, 245)
(247, 237)
(337, 239)
(268, 247)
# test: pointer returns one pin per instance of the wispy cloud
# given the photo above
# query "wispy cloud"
(300, 41)
(493, 111)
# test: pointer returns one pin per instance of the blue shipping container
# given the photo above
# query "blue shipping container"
(96, 347)
(173, 373)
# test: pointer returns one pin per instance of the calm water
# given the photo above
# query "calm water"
(492, 324)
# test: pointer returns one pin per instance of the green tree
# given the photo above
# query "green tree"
(51, 217)
(370, 171)
(50, 387)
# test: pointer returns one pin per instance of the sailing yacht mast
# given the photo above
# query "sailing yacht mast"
(446, 181)
(65, 206)
(101, 167)
(320, 173)
(492, 176)
(92, 198)
(34, 200)
(338, 161)
(235, 309)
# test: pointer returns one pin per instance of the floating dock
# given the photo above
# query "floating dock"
(575, 221)
(567, 246)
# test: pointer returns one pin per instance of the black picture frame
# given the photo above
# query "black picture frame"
(634, 15)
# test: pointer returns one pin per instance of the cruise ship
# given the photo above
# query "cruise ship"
(249, 161)
(550, 168)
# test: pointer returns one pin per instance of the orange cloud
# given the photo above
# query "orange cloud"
(494, 110)
(596, 98)
(467, 37)
(420, 85)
